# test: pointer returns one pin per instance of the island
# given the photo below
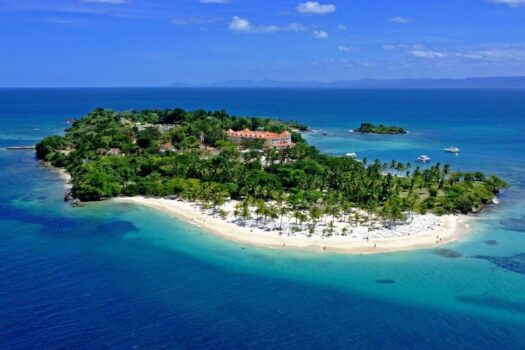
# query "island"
(369, 128)
(257, 181)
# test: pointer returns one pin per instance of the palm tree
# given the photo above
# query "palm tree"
(223, 214)
(261, 210)
(273, 213)
(331, 226)
(296, 215)
(283, 209)
(400, 167)
(242, 209)
(393, 164)
(299, 217)
(302, 218)
(346, 206)
(315, 214)
(357, 218)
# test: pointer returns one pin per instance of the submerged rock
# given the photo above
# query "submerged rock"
(76, 202)
(119, 227)
(514, 224)
(448, 253)
(68, 196)
(514, 263)
(386, 281)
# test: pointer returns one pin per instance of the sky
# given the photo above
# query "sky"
(52, 43)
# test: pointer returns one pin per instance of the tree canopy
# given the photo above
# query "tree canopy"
(369, 128)
(187, 154)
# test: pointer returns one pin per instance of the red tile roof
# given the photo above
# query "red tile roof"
(249, 134)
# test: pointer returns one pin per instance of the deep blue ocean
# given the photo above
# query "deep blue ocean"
(109, 276)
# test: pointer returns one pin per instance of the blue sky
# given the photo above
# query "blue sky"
(157, 42)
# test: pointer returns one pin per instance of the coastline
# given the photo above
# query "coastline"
(451, 228)
(62, 173)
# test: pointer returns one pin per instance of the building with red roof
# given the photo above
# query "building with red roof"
(271, 139)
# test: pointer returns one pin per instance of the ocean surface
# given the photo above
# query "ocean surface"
(111, 276)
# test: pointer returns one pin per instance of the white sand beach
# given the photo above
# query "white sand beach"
(423, 231)
(64, 175)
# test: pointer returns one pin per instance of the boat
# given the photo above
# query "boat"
(452, 149)
(352, 154)
(423, 159)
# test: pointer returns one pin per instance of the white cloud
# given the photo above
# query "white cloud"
(492, 54)
(213, 1)
(341, 27)
(320, 34)
(400, 20)
(242, 25)
(419, 51)
(395, 46)
(313, 7)
(346, 48)
(502, 54)
(511, 3)
(115, 2)
(424, 53)
(239, 24)
(294, 27)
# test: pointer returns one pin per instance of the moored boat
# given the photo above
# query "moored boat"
(452, 149)
(423, 159)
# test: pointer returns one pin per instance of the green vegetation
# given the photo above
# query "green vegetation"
(109, 154)
(369, 128)
(296, 125)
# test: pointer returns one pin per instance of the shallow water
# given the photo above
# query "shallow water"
(119, 276)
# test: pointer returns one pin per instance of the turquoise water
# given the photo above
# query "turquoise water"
(119, 276)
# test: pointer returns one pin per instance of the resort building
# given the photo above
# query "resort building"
(271, 140)
(160, 127)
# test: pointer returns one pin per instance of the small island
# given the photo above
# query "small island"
(257, 181)
(369, 128)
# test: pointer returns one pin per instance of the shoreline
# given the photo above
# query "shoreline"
(62, 173)
(450, 228)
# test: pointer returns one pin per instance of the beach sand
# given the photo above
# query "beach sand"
(451, 228)
(64, 175)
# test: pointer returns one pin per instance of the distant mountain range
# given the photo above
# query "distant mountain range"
(423, 83)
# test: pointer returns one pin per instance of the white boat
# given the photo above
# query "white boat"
(451, 149)
(352, 155)
(423, 159)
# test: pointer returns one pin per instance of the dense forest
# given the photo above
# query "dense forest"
(187, 155)
(369, 128)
